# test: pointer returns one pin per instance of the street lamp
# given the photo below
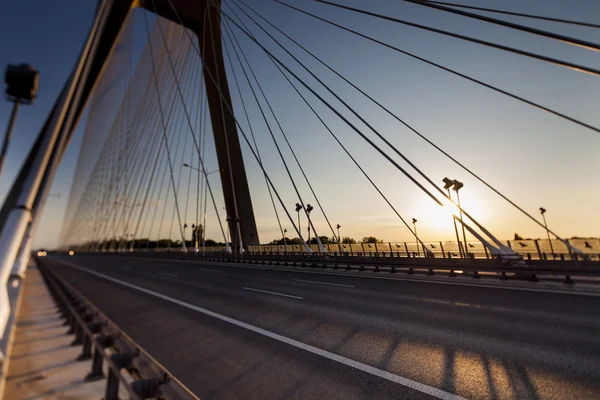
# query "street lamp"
(22, 84)
(205, 200)
(298, 208)
(414, 221)
(448, 183)
(340, 248)
(543, 212)
(309, 208)
(285, 240)
(227, 219)
(457, 186)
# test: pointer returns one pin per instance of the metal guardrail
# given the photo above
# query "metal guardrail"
(526, 269)
(103, 342)
(534, 249)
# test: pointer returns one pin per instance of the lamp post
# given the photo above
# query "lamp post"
(448, 183)
(340, 248)
(205, 200)
(22, 84)
(457, 186)
(285, 240)
(228, 239)
(309, 208)
(414, 221)
(543, 212)
(298, 208)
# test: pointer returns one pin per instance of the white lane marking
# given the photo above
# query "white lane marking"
(421, 387)
(208, 270)
(323, 283)
(168, 274)
(275, 293)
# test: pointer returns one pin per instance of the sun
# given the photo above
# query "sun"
(435, 221)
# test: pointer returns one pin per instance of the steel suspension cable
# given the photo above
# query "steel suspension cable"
(550, 35)
(245, 137)
(393, 162)
(565, 64)
(147, 121)
(181, 164)
(491, 10)
(187, 197)
(252, 135)
(279, 126)
(287, 169)
(191, 128)
(414, 130)
(178, 129)
(237, 217)
(164, 129)
(343, 148)
(158, 156)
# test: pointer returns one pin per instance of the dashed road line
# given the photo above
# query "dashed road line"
(323, 283)
(275, 293)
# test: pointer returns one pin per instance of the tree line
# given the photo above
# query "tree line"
(325, 240)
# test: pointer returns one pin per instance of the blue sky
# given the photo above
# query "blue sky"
(536, 159)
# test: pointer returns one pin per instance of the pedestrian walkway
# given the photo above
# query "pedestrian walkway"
(42, 364)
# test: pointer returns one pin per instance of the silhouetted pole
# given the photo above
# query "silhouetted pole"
(9, 129)
(543, 212)
(22, 83)
(414, 221)
(448, 183)
(457, 186)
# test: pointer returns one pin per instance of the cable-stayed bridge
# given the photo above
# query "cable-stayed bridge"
(210, 127)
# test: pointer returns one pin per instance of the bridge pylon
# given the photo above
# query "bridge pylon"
(202, 17)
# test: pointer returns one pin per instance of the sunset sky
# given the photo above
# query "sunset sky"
(534, 158)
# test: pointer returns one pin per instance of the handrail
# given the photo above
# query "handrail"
(102, 337)
(528, 268)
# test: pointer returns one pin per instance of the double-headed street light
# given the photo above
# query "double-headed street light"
(543, 212)
(414, 221)
(205, 200)
(449, 183)
(309, 208)
(457, 186)
(339, 239)
(298, 209)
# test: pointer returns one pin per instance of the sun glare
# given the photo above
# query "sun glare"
(438, 220)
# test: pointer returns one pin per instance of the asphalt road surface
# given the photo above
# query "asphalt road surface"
(250, 333)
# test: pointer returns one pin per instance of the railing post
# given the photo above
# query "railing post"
(119, 360)
(537, 246)
(78, 335)
(86, 353)
(112, 382)
(442, 248)
(96, 372)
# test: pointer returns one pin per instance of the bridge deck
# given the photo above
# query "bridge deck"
(477, 342)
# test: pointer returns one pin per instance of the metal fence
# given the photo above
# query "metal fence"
(531, 249)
